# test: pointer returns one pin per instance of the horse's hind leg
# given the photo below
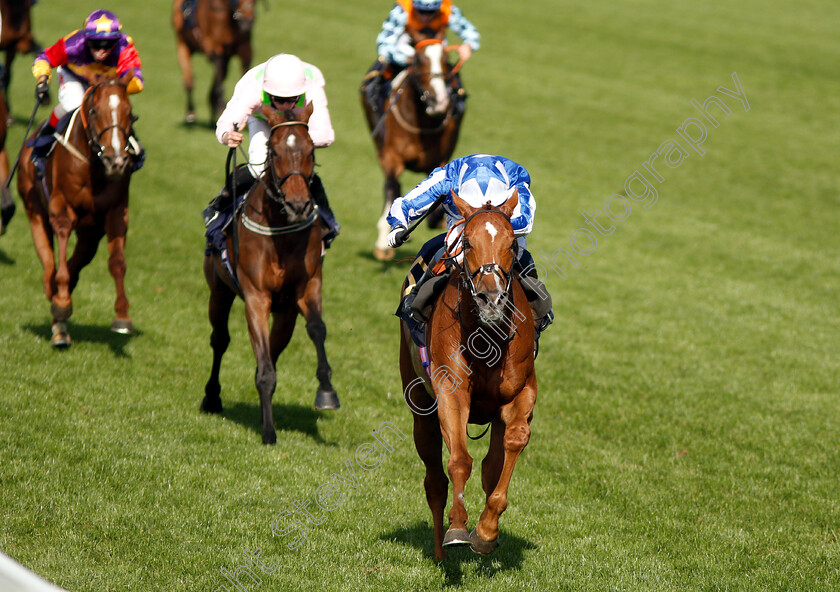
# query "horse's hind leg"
(116, 226)
(87, 242)
(382, 251)
(221, 300)
(184, 61)
(429, 444)
(217, 92)
(310, 308)
(516, 417)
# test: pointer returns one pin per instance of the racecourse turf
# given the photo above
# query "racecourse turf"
(685, 436)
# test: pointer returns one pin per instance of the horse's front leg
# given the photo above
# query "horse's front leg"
(62, 220)
(257, 312)
(310, 307)
(87, 242)
(453, 412)
(116, 226)
(217, 91)
(516, 417)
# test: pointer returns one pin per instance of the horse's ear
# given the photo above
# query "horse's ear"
(126, 77)
(509, 206)
(271, 116)
(464, 208)
(307, 112)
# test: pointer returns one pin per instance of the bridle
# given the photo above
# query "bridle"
(275, 190)
(88, 113)
(468, 276)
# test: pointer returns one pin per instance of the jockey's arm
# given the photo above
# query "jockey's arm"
(470, 38)
(320, 127)
(414, 204)
(388, 44)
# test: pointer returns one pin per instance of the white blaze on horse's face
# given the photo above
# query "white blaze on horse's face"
(440, 104)
(491, 230)
(290, 141)
(114, 104)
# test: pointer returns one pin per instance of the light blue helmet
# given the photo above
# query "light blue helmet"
(426, 4)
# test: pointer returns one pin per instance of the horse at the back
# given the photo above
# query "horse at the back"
(220, 29)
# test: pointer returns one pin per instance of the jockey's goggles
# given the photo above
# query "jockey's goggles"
(427, 11)
(278, 101)
(99, 44)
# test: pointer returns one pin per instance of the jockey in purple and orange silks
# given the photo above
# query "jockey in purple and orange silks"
(98, 51)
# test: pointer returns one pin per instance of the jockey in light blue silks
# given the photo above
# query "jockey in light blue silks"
(477, 179)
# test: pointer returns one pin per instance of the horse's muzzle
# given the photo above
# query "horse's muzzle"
(298, 212)
(115, 164)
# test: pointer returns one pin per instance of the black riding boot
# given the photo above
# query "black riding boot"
(372, 86)
(41, 146)
(537, 294)
(319, 196)
(220, 210)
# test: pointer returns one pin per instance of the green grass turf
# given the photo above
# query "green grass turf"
(685, 434)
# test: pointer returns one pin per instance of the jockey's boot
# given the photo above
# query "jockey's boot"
(537, 294)
(223, 202)
(41, 147)
(319, 196)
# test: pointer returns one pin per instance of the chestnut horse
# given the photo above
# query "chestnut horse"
(85, 189)
(220, 29)
(276, 253)
(420, 124)
(16, 33)
(481, 351)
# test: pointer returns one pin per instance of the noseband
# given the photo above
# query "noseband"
(94, 137)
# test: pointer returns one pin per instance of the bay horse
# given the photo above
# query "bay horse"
(7, 204)
(84, 189)
(420, 125)
(276, 253)
(15, 34)
(219, 29)
(480, 340)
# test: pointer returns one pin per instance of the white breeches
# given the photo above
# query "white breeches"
(71, 91)
(258, 132)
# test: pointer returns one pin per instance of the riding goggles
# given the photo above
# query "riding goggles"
(99, 44)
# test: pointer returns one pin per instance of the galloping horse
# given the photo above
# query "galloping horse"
(420, 126)
(481, 351)
(85, 189)
(16, 33)
(276, 252)
(219, 29)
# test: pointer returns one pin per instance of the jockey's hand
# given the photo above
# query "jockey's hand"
(42, 88)
(232, 139)
(394, 237)
(464, 52)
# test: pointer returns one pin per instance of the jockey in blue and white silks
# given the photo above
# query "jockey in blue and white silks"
(394, 45)
(477, 179)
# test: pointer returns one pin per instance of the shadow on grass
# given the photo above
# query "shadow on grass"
(287, 418)
(5, 259)
(401, 260)
(116, 342)
(508, 556)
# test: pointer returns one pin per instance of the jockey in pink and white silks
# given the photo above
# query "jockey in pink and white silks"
(477, 179)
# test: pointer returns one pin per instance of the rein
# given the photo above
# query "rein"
(86, 112)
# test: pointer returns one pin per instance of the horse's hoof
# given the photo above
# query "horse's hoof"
(386, 254)
(211, 405)
(480, 546)
(190, 118)
(270, 438)
(456, 537)
(60, 337)
(326, 400)
(122, 326)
